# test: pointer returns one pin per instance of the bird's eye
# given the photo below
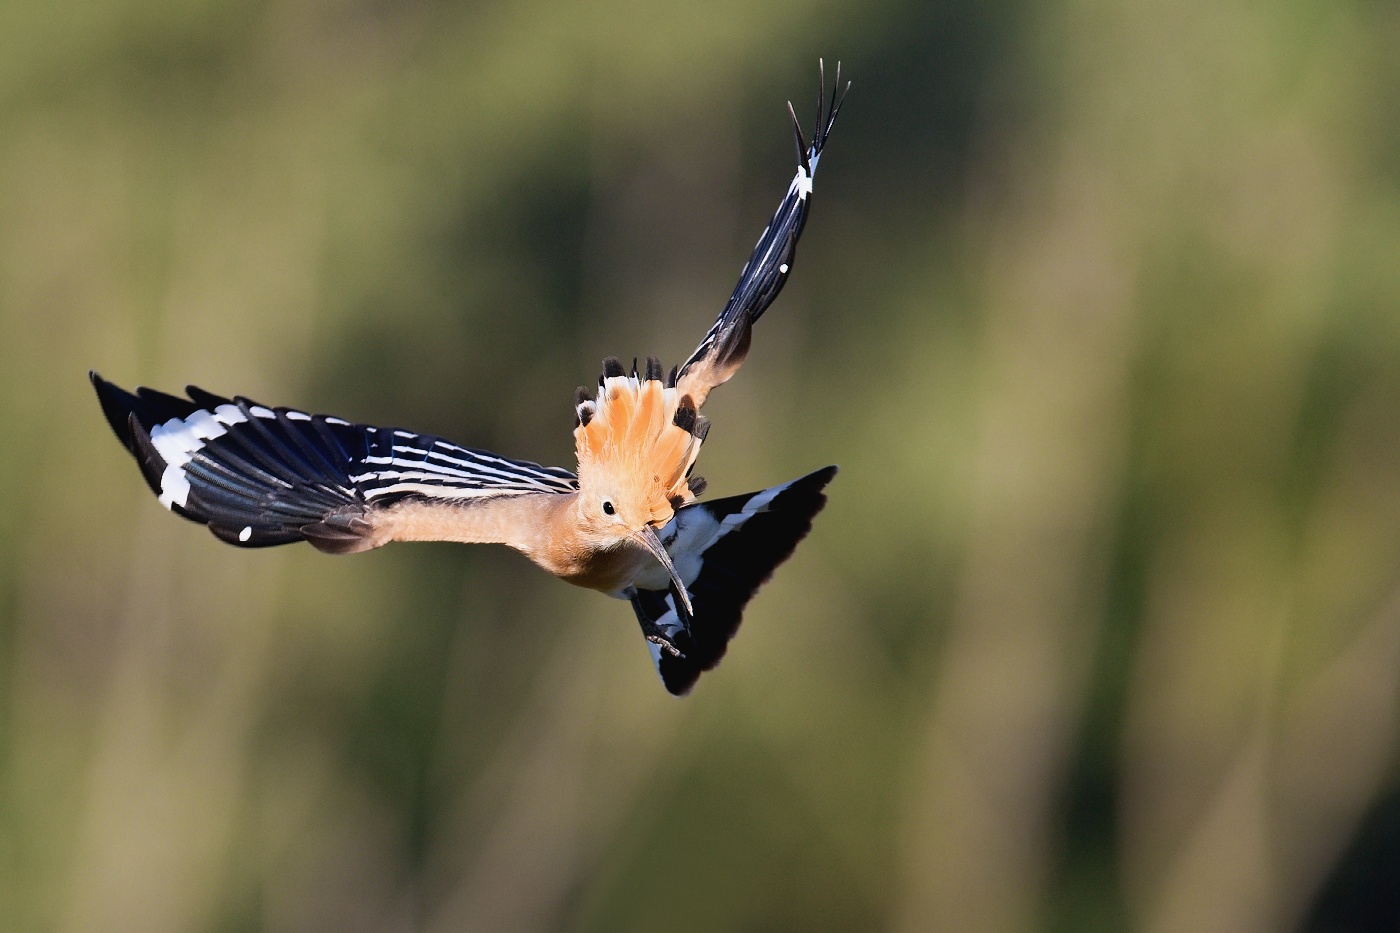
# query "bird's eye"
(608, 508)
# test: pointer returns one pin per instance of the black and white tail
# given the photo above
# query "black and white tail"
(725, 550)
(260, 476)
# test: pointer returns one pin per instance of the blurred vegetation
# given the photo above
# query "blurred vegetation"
(1097, 310)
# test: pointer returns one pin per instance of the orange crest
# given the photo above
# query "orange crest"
(637, 442)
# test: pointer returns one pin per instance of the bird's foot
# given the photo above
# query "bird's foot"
(666, 645)
(659, 637)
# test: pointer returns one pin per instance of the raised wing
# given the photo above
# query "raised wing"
(260, 476)
(727, 342)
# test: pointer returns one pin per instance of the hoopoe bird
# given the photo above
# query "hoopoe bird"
(627, 523)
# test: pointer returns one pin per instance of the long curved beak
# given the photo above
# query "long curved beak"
(647, 537)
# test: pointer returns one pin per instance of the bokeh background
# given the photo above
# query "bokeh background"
(1098, 309)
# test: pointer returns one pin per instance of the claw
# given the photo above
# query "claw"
(661, 640)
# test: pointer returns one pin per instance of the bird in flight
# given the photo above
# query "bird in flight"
(627, 523)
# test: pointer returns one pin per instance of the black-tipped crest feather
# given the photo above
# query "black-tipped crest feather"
(583, 407)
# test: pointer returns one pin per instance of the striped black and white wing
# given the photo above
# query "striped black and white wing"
(724, 550)
(726, 344)
(260, 476)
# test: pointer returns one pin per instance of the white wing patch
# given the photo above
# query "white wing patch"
(177, 441)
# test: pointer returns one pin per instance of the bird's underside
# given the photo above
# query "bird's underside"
(628, 523)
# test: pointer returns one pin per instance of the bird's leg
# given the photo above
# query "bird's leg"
(683, 608)
(651, 607)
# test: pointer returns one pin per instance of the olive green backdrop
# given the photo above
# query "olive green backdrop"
(1098, 309)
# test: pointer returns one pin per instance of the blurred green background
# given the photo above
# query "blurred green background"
(1098, 309)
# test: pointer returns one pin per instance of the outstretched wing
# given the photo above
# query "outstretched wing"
(727, 342)
(260, 476)
(724, 550)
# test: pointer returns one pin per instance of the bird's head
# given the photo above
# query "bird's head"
(636, 442)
